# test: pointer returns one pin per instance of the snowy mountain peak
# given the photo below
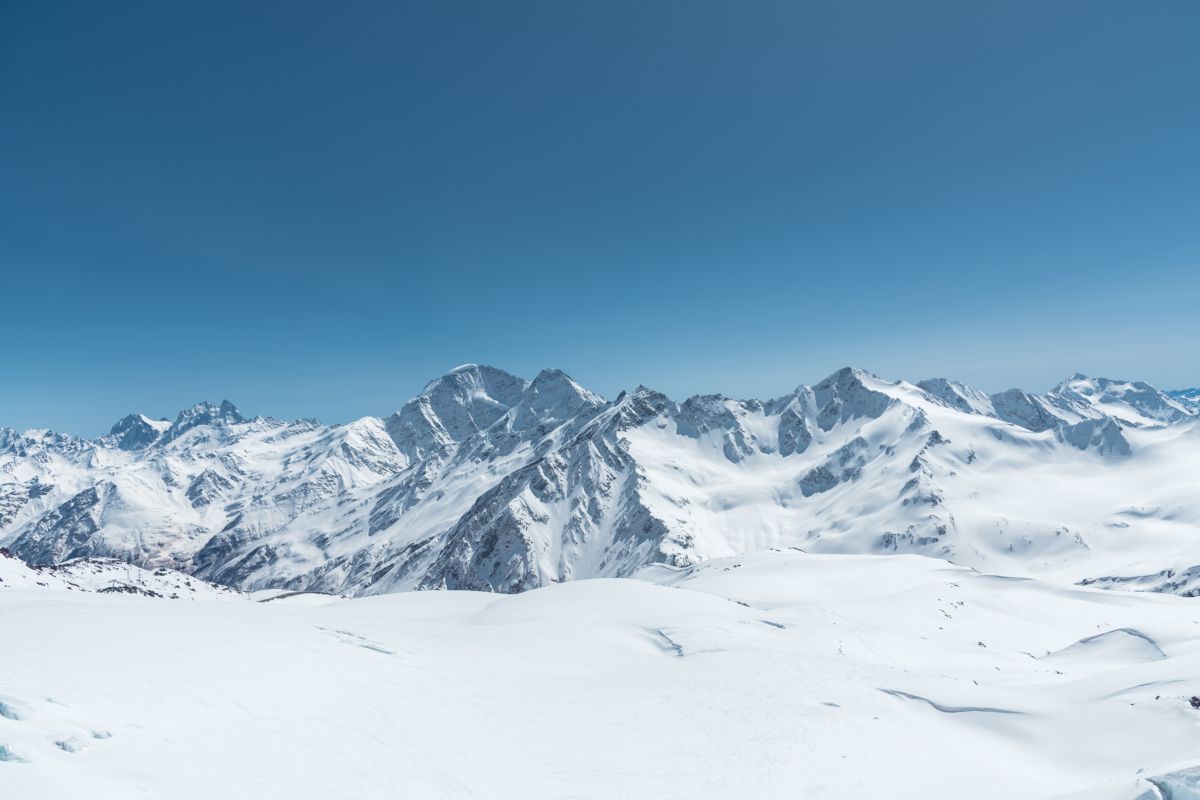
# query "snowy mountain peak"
(645, 395)
(1188, 398)
(203, 413)
(451, 409)
(475, 381)
(555, 381)
(847, 375)
(136, 431)
(553, 397)
(846, 394)
(1132, 402)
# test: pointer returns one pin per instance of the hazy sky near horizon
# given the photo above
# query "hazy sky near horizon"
(313, 208)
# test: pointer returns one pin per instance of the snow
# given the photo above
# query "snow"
(774, 674)
(866, 588)
(105, 576)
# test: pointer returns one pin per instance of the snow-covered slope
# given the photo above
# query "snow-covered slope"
(489, 481)
(1188, 398)
(1135, 403)
(770, 675)
(108, 576)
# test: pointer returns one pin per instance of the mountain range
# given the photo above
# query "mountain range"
(488, 481)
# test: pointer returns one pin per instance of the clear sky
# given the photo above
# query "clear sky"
(312, 208)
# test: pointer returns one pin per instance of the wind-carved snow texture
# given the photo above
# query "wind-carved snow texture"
(489, 481)
(948, 709)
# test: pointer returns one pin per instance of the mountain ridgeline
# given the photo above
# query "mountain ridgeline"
(491, 482)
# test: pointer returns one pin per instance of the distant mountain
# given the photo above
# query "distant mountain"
(108, 576)
(489, 481)
(1188, 398)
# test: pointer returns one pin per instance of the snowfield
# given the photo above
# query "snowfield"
(773, 674)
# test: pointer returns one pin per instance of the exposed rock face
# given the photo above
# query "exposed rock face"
(203, 414)
(1024, 410)
(1103, 436)
(136, 431)
(65, 532)
(844, 395)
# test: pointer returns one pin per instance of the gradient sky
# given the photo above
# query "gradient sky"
(314, 208)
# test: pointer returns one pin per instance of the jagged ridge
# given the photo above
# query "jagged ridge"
(489, 481)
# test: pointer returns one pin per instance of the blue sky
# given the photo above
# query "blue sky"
(313, 208)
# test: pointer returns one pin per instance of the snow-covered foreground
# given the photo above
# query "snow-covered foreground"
(774, 674)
